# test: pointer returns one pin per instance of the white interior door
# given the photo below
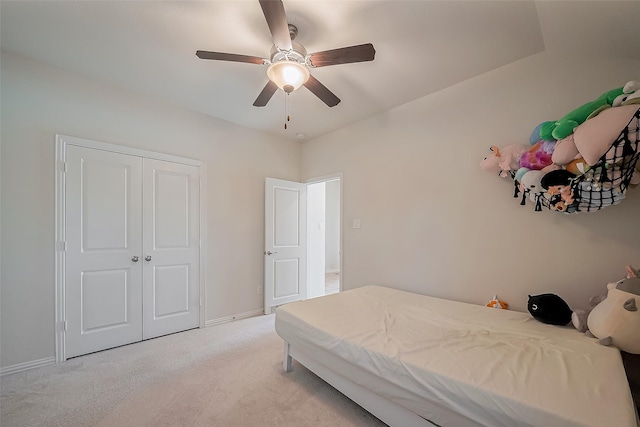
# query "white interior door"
(103, 293)
(285, 254)
(171, 230)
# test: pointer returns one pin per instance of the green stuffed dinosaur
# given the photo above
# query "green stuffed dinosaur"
(564, 127)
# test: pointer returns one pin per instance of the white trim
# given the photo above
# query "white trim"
(324, 178)
(81, 142)
(61, 143)
(203, 244)
(60, 253)
(227, 319)
(27, 366)
(327, 178)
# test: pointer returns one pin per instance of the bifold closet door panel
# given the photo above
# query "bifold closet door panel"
(103, 269)
(171, 242)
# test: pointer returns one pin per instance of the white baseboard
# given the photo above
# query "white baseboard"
(227, 319)
(26, 366)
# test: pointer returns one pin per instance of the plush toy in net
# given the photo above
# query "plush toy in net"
(564, 127)
(550, 309)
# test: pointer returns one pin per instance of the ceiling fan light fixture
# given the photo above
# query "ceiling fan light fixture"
(288, 75)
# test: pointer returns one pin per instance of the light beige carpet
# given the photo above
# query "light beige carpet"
(225, 375)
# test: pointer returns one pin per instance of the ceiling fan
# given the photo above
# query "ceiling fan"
(289, 62)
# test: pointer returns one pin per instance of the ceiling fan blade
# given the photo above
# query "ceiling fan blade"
(277, 21)
(344, 55)
(321, 91)
(266, 94)
(203, 54)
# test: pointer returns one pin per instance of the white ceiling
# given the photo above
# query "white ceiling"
(148, 47)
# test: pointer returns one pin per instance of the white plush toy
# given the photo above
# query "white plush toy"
(630, 94)
(616, 320)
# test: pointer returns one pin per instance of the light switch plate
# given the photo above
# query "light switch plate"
(356, 223)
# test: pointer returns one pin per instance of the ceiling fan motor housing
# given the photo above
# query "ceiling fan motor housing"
(297, 53)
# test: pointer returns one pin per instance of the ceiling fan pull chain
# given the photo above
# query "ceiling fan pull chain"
(286, 110)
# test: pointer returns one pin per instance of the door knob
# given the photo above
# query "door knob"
(147, 258)
(134, 259)
(270, 253)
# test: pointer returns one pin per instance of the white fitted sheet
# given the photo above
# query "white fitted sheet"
(487, 366)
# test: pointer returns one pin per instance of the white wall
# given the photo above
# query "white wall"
(434, 223)
(37, 103)
(332, 226)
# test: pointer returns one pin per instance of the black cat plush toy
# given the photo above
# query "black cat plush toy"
(550, 309)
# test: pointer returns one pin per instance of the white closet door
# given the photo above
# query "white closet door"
(103, 295)
(171, 230)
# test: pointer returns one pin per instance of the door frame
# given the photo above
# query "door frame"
(61, 143)
(325, 178)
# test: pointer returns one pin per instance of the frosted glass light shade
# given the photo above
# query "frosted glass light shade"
(288, 75)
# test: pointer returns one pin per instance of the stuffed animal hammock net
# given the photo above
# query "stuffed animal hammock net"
(604, 184)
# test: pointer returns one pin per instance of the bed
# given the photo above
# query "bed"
(415, 360)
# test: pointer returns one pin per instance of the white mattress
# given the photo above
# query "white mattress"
(490, 367)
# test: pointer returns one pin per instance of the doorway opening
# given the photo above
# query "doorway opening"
(324, 236)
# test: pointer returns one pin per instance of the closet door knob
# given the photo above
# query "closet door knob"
(147, 258)
(134, 259)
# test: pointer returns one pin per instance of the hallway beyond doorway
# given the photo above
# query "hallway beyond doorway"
(332, 283)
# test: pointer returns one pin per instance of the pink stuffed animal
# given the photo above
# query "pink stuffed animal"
(503, 159)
